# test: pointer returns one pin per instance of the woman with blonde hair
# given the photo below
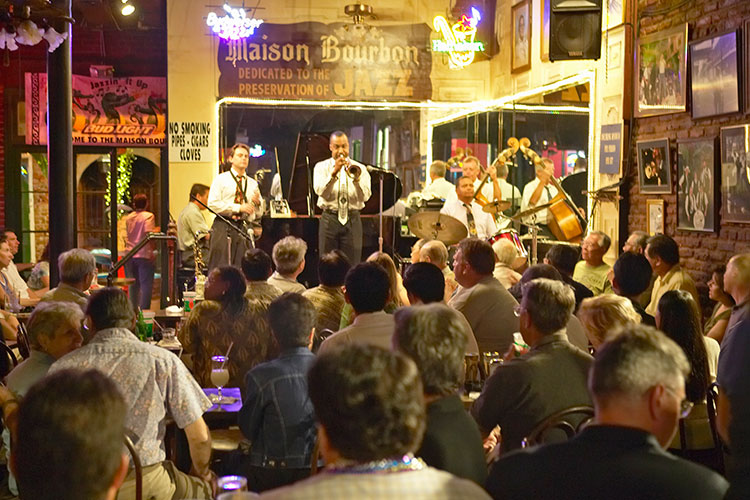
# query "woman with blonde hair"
(604, 314)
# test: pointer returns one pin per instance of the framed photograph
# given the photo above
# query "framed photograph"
(696, 207)
(735, 174)
(655, 216)
(520, 53)
(715, 75)
(615, 14)
(654, 166)
(746, 55)
(661, 74)
(545, 17)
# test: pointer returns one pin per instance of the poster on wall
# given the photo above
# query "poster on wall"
(335, 61)
(125, 111)
(661, 72)
(696, 207)
(735, 174)
(609, 151)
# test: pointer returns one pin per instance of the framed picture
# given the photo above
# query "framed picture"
(520, 54)
(746, 55)
(545, 17)
(655, 216)
(696, 207)
(654, 166)
(735, 174)
(615, 13)
(715, 75)
(661, 74)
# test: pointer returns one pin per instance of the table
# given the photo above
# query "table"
(222, 417)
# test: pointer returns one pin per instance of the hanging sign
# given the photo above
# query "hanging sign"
(609, 149)
(458, 40)
(234, 25)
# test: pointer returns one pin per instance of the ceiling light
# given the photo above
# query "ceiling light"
(127, 8)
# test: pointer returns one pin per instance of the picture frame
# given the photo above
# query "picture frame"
(520, 53)
(735, 171)
(661, 72)
(697, 209)
(655, 216)
(715, 75)
(746, 65)
(654, 166)
(544, 15)
(615, 13)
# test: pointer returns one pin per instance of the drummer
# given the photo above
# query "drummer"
(464, 208)
(539, 192)
(491, 190)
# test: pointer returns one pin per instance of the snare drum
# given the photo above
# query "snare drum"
(512, 236)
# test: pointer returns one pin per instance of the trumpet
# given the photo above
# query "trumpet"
(352, 170)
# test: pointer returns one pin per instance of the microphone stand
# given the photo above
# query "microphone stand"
(381, 174)
(229, 223)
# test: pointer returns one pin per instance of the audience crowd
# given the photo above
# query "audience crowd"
(568, 379)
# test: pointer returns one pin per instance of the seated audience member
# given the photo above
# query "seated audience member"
(68, 444)
(416, 249)
(505, 256)
(631, 276)
(483, 300)
(9, 276)
(435, 252)
(678, 318)
(433, 336)
(636, 243)
(156, 386)
(663, 254)
(603, 315)
(8, 322)
(423, 283)
(227, 323)
(574, 330)
(328, 297)
(39, 278)
(54, 330)
(564, 258)
(716, 325)
(257, 268)
(277, 415)
(367, 290)
(733, 407)
(637, 383)
(371, 417)
(77, 269)
(289, 259)
(592, 271)
(525, 390)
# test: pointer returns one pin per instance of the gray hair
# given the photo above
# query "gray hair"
(436, 251)
(50, 317)
(435, 338)
(603, 314)
(505, 251)
(641, 239)
(637, 358)
(546, 162)
(604, 240)
(75, 264)
(438, 168)
(549, 304)
(288, 253)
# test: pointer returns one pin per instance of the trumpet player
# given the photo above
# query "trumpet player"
(343, 187)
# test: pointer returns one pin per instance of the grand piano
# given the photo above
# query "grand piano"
(312, 147)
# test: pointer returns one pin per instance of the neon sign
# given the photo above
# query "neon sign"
(257, 151)
(458, 40)
(234, 25)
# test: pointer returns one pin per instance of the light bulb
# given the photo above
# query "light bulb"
(127, 9)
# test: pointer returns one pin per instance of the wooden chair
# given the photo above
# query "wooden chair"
(560, 421)
(138, 469)
(320, 337)
(8, 360)
(22, 341)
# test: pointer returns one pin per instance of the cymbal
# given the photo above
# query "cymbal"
(437, 226)
(496, 207)
(526, 213)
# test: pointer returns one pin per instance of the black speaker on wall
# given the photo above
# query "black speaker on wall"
(575, 30)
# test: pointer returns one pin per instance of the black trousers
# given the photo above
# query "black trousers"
(220, 249)
(347, 238)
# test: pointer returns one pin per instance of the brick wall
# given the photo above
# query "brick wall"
(699, 252)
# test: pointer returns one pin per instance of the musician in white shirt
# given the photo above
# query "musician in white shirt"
(510, 192)
(463, 204)
(341, 196)
(439, 188)
(236, 196)
(490, 190)
(539, 192)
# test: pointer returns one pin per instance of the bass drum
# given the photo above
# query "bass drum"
(512, 236)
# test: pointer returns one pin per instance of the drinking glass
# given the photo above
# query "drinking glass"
(231, 483)
(219, 375)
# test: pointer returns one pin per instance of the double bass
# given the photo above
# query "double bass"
(566, 223)
(504, 157)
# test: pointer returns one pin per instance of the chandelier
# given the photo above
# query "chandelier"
(28, 22)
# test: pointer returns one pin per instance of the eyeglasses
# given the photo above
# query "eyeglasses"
(685, 406)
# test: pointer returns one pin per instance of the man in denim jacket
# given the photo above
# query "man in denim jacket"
(277, 415)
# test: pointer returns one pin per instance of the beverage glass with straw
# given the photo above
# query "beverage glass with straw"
(219, 375)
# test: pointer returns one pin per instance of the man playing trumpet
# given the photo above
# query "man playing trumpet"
(343, 187)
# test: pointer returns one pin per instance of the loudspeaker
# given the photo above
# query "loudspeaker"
(575, 29)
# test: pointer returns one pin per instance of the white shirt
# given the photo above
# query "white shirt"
(223, 189)
(439, 188)
(327, 188)
(15, 281)
(548, 193)
(482, 220)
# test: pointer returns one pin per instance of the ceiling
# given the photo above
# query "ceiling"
(104, 14)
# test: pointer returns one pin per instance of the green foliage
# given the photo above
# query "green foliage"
(124, 174)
